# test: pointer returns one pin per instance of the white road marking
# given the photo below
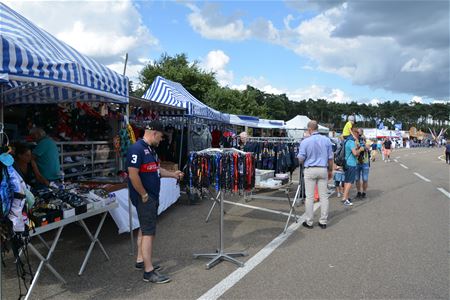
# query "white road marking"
(441, 157)
(421, 177)
(256, 207)
(443, 191)
(229, 281)
(397, 157)
(405, 167)
(396, 160)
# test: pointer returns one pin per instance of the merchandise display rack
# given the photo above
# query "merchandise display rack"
(88, 158)
(220, 255)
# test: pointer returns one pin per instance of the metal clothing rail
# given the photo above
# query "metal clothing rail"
(220, 254)
(292, 203)
(273, 139)
(60, 226)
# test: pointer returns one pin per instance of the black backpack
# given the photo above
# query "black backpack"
(339, 154)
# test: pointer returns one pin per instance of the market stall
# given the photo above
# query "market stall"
(198, 121)
(39, 69)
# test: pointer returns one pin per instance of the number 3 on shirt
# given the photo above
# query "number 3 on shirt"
(133, 158)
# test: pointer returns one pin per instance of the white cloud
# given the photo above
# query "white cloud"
(132, 70)
(103, 30)
(318, 92)
(371, 43)
(211, 24)
(260, 83)
(440, 102)
(375, 102)
(217, 61)
(417, 99)
(312, 92)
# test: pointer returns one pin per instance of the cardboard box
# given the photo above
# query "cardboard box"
(262, 175)
(169, 166)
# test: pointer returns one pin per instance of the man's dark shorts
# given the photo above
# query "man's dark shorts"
(147, 213)
(350, 174)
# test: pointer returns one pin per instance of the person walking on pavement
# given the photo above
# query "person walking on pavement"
(373, 153)
(363, 167)
(317, 156)
(144, 183)
(387, 149)
(447, 152)
(352, 151)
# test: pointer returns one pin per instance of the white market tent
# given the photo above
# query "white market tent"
(297, 126)
(38, 68)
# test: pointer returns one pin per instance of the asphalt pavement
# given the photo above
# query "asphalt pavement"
(393, 244)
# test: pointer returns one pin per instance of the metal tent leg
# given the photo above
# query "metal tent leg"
(130, 220)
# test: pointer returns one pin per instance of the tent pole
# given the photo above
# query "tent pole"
(181, 147)
(122, 165)
(2, 124)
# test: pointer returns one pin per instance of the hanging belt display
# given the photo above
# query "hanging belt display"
(232, 172)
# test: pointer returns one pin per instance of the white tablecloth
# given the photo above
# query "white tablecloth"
(168, 195)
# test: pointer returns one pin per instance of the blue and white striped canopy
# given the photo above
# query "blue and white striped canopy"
(172, 93)
(39, 68)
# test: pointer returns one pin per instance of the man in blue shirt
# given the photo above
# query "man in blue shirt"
(45, 161)
(317, 156)
(144, 185)
(352, 151)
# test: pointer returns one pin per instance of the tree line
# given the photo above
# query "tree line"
(253, 102)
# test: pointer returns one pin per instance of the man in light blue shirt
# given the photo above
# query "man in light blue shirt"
(317, 156)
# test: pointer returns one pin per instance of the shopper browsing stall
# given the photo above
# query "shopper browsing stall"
(45, 161)
(22, 163)
(245, 145)
(144, 185)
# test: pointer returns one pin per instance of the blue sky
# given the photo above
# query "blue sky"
(365, 51)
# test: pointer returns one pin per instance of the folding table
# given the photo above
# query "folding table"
(59, 226)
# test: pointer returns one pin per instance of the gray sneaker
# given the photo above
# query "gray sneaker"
(155, 277)
(140, 266)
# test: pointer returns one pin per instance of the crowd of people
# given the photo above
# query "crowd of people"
(318, 159)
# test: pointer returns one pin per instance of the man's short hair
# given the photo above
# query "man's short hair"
(38, 130)
(243, 134)
(313, 125)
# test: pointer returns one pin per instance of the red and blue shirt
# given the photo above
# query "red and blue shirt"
(143, 157)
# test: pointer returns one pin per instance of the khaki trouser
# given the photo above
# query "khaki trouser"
(315, 176)
(373, 154)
